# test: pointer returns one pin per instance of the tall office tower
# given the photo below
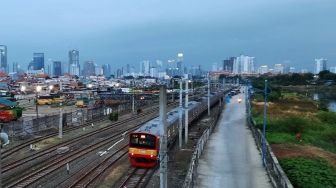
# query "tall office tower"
(145, 68)
(57, 68)
(74, 66)
(15, 67)
(228, 64)
(3, 58)
(179, 64)
(278, 69)
(263, 69)
(128, 69)
(98, 70)
(320, 65)
(119, 73)
(107, 70)
(243, 65)
(89, 68)
(37, 63)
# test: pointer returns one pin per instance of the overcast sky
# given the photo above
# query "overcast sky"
(120, 32)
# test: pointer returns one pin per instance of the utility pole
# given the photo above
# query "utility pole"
(180, 116)
(60, 125)
(133, 100)
(264, 127)
(208, 96)
(163, 138)
(186, 113)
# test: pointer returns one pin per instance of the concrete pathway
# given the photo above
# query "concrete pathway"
(231, 158)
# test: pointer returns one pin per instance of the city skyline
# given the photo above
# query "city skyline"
(119, 34)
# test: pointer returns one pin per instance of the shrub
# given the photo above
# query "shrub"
(309, 172)
(327, 117)
(114, 116)
(292, 125)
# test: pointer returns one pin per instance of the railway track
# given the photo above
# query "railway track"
(137, 177)
(36, 155)
(11, 151)
(8, 152)
(95, 172)
(57, 163)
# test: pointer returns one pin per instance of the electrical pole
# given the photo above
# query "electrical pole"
(186, 113)
(133, 100)
(208, 96)
(60, 125)
(180, 115)
(163, 138)
(264, 127)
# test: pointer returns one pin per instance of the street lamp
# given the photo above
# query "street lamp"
(38, 89)
(51, 87)
(22, 89)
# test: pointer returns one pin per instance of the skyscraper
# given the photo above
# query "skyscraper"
(278, 69)
(57, 68)
(228, 64)
(3, 58)
(179, 64)
(107, 70)
(38, 62)
(89, 68)
(320, 65)
(243, 65)
(74, 66)
(263, 69)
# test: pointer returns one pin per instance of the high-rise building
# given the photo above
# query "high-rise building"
(320, 65)
(243, 65)
(37, 63)
(228, 64)
(107, 70)
(3, 58)
(263, 69)
(119, 73)
(278, 69)
(179, 64)
(332, 69)
(74, 66)
(89, 68)
(57, 68)
(145, 68)
(128, 69)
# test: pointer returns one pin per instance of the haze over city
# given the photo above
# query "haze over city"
(127, 32)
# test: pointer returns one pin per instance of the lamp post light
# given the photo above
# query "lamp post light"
(50, 88)
(38, 89)
(22, 89)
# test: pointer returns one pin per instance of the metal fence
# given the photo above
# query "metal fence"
(277, 176)
(36, 126)
(192, 171)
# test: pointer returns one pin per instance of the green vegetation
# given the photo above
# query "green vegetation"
(114, 116)
(309, 172)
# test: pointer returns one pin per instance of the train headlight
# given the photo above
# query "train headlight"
(132, 153)
(151, 156)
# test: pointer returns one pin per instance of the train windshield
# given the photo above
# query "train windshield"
(142, 141)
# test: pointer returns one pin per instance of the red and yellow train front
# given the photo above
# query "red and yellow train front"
(143, 150)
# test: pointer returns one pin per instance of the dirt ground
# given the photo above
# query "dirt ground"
(294, 150)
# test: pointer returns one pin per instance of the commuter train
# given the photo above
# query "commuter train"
(144, 143)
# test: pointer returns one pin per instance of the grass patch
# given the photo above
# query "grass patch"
(280, 138)
(309, 172)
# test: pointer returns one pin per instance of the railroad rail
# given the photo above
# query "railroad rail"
(138, 177)
(57, 163)
(95, 172)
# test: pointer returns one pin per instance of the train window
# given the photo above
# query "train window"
(142, 141)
